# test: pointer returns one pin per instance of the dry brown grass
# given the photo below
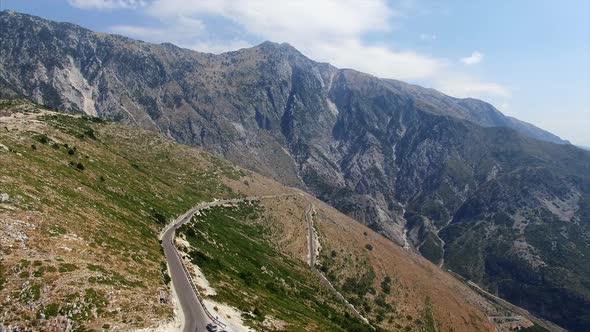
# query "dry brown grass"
(414, 278)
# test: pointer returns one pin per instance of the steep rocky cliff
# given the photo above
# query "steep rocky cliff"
(487, 195)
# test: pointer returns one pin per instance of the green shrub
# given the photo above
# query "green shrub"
(67, 267)
(51, 310)
(386, 285)
(159, 218)
(43, 139)
(164, 271)
(90, 133)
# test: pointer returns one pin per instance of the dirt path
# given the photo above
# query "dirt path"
(311, 239)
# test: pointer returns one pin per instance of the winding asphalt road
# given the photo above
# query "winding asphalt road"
(195, 318)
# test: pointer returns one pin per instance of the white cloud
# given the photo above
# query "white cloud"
(460, 85)
(183, 32)
(285, 20)
(473, 59)
(218, 47)
(107, 4)
(325, 30)
(427, 36)
(374, 59)
(136, 31)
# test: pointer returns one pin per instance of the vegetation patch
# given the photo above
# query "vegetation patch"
(229, 245)
(91, 206)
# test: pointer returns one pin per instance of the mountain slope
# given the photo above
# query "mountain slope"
(412, 163)
(80, 249)
(82, 205)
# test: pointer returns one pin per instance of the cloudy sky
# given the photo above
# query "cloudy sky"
(530, 58)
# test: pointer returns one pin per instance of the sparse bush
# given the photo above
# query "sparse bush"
(382, 301)
(67, 267)
(386, 285)
(90, 133)
(190, 232)
(71, 151)
(33, 146)
(159, 218)
(43, 139)
(80, 166)
(380, 316)
(247, 277)
(369, 247)
(259, 315)
(272, 286)
(361, 286)
(51, 310)
(165, 275)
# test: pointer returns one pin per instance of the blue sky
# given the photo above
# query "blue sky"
(531, 59)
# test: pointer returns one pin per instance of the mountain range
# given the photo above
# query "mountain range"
(496, 200)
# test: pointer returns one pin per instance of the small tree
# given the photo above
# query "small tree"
(43, 139)
(158, 217)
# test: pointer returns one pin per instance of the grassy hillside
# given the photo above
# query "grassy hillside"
(82, 202)
(230, 245)
(86, 200)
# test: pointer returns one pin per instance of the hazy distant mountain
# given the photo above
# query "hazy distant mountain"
(496, 197)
